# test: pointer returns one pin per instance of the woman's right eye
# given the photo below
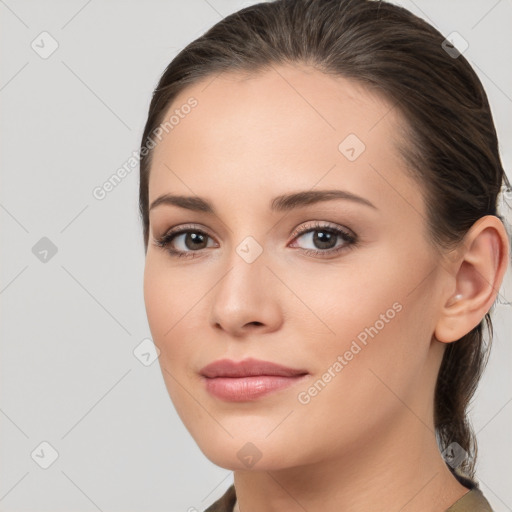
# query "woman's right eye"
(184, 242)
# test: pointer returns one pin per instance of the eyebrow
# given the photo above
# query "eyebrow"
(282, 203)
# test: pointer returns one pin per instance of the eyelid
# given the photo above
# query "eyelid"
(185, 227)
(320, 224)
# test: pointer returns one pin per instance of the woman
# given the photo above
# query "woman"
(318, 195)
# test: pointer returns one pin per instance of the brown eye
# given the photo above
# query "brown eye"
(324, 239)
(184, 242)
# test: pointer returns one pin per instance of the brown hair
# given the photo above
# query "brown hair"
(451, 145)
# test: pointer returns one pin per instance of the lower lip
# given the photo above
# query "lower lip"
(242, 389)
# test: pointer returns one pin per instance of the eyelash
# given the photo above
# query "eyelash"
(350, 239)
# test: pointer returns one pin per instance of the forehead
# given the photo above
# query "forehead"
(282, 128)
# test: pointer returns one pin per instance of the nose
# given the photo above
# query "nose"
(246, 299)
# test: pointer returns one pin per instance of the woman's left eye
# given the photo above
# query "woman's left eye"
(324, 238)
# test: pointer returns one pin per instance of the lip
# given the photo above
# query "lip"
(249, 379)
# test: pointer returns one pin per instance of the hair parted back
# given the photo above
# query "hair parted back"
(451, 145)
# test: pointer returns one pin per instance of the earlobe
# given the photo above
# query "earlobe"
(478, 274)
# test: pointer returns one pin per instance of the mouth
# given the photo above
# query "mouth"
(244, 389)
(249, 379)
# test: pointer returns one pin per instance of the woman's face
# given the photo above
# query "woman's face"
(347, 289)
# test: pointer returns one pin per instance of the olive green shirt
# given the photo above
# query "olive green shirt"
(472, 501)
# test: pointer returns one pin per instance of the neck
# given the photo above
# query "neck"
(400, 469)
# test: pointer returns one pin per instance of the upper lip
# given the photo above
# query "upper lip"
(246, 368)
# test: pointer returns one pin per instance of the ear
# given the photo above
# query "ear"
(478, 272)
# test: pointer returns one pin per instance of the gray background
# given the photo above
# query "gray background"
(70, 325)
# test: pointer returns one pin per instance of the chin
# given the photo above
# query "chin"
(240, 453)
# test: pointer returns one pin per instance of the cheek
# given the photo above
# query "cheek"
(169, 295)
(364, 376)
(379, 339)
(347, 304)
(169, 298)
(156, 301)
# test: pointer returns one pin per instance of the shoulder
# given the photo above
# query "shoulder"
(473, 500)
(225, 503)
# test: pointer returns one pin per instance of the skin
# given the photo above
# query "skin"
(366, 441)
